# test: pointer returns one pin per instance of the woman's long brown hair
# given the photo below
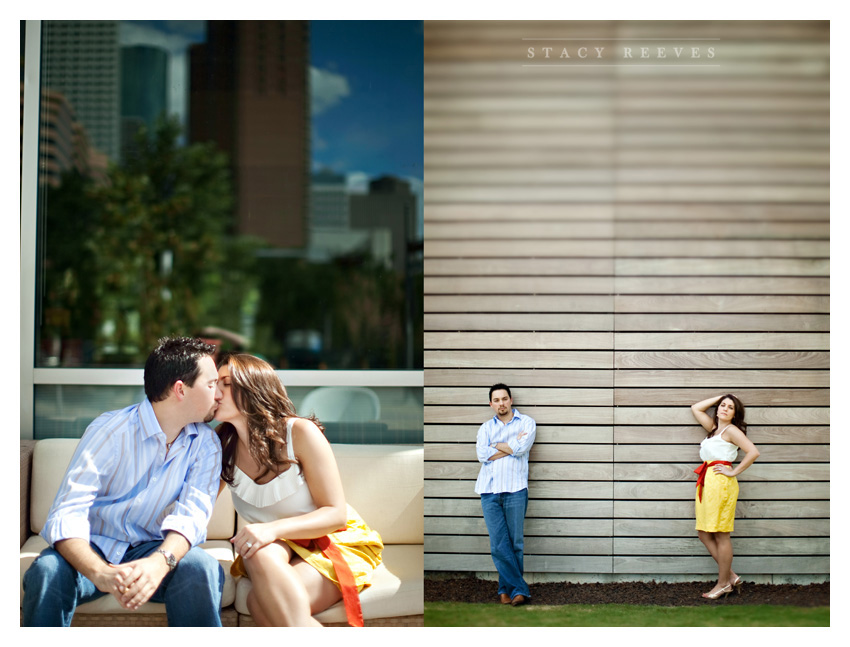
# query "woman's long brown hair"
(261, 397)
(737, 417)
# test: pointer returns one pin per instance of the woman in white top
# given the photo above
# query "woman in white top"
(303, 549)
(717, 485)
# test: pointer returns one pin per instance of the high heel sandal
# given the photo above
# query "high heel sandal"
(738, 584)
(726, 590)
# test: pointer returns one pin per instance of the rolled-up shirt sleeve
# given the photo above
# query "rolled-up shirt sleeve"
(482, 445)
(191, 512)
(521, 446)
(94, 460)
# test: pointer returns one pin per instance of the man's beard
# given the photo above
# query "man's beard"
(211, 415)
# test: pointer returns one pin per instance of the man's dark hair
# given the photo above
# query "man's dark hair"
(173, 359)
(499, 387)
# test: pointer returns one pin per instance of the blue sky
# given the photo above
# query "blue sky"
(367, 96)
(366, 86)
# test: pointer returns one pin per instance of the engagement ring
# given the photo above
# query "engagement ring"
(249, 544)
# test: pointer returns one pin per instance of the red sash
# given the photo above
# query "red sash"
(700, 472)
(350, 596)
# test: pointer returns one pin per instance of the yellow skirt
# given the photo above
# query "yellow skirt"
(360, 546)
(716, 511)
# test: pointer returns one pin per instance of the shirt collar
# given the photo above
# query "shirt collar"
(150, 425)
(515, 416)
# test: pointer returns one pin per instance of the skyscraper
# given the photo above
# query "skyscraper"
(249, 95)
(81, 62)
(144, 90)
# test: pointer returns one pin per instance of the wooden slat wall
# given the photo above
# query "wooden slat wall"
(617, 243)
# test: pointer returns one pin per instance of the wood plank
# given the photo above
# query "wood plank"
(744, 510)
(712, 285)
(788, 341)
(771, 528)
(685, 491)
(750, 397)
(436, 157)
(520, 377)
(504, 341)
(543, 509)
(758, 472)
(436, 433)
(435, 488)
(690, 453)
(490, 268)
(560, 471)
(709, 303)
(539, 452)
(709, 322)
(722, 229)
(542, 229)
(526, 358)
(722, 380)
(496, 213)
(523, 396)
(533, 545)
(736, 360)
(520, 285)
(542, 415)
(718, 248)
(777, 565)
(625, 285)
(757, 433)
(533, 527)
(532, 563)
(534, 248)
(685, 211)
(560, 322)
(754, 415)
(521, 303)
(559, 176)
(733, 267)
(719, 212)
(488, 81)
(542, 248)
(750, 546)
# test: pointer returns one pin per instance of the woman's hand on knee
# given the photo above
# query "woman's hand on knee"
(252, 538)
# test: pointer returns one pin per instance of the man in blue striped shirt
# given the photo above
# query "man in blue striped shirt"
(136, 500)
(502, 446)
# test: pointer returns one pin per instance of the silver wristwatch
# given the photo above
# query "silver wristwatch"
(169, 559)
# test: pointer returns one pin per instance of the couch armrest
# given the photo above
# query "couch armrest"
(27, 447)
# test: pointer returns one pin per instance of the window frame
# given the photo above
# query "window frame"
(30, 376)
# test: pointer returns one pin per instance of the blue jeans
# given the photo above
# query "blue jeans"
(191, 592)
(504, 514)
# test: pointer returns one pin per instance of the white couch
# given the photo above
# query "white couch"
(384, 483)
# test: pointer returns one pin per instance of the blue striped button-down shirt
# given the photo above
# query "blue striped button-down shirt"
(508, 474)
(121, 489)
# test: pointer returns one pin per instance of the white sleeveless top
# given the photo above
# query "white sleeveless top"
(717, 449)
(286, 495)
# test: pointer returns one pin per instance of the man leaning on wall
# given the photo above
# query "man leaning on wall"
(502, 446)
(135, 503)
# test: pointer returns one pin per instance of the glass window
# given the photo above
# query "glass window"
(255, 183)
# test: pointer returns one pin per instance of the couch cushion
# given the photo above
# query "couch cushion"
(220, 549)
(397, 588)
(50, 462)
(384, 483)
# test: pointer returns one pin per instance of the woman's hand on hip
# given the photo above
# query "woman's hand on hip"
(726, 470)
(252, 538)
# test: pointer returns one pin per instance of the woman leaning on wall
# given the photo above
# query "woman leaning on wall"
(717, 485)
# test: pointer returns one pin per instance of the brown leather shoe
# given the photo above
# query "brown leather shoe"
(518, 600)
(504, 598)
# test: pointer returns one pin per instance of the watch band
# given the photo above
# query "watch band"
(169, 559)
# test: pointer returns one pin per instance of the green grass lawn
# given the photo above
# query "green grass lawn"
(458, 614)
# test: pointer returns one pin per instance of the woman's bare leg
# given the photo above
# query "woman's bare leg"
(279, 593)
(712, 541)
